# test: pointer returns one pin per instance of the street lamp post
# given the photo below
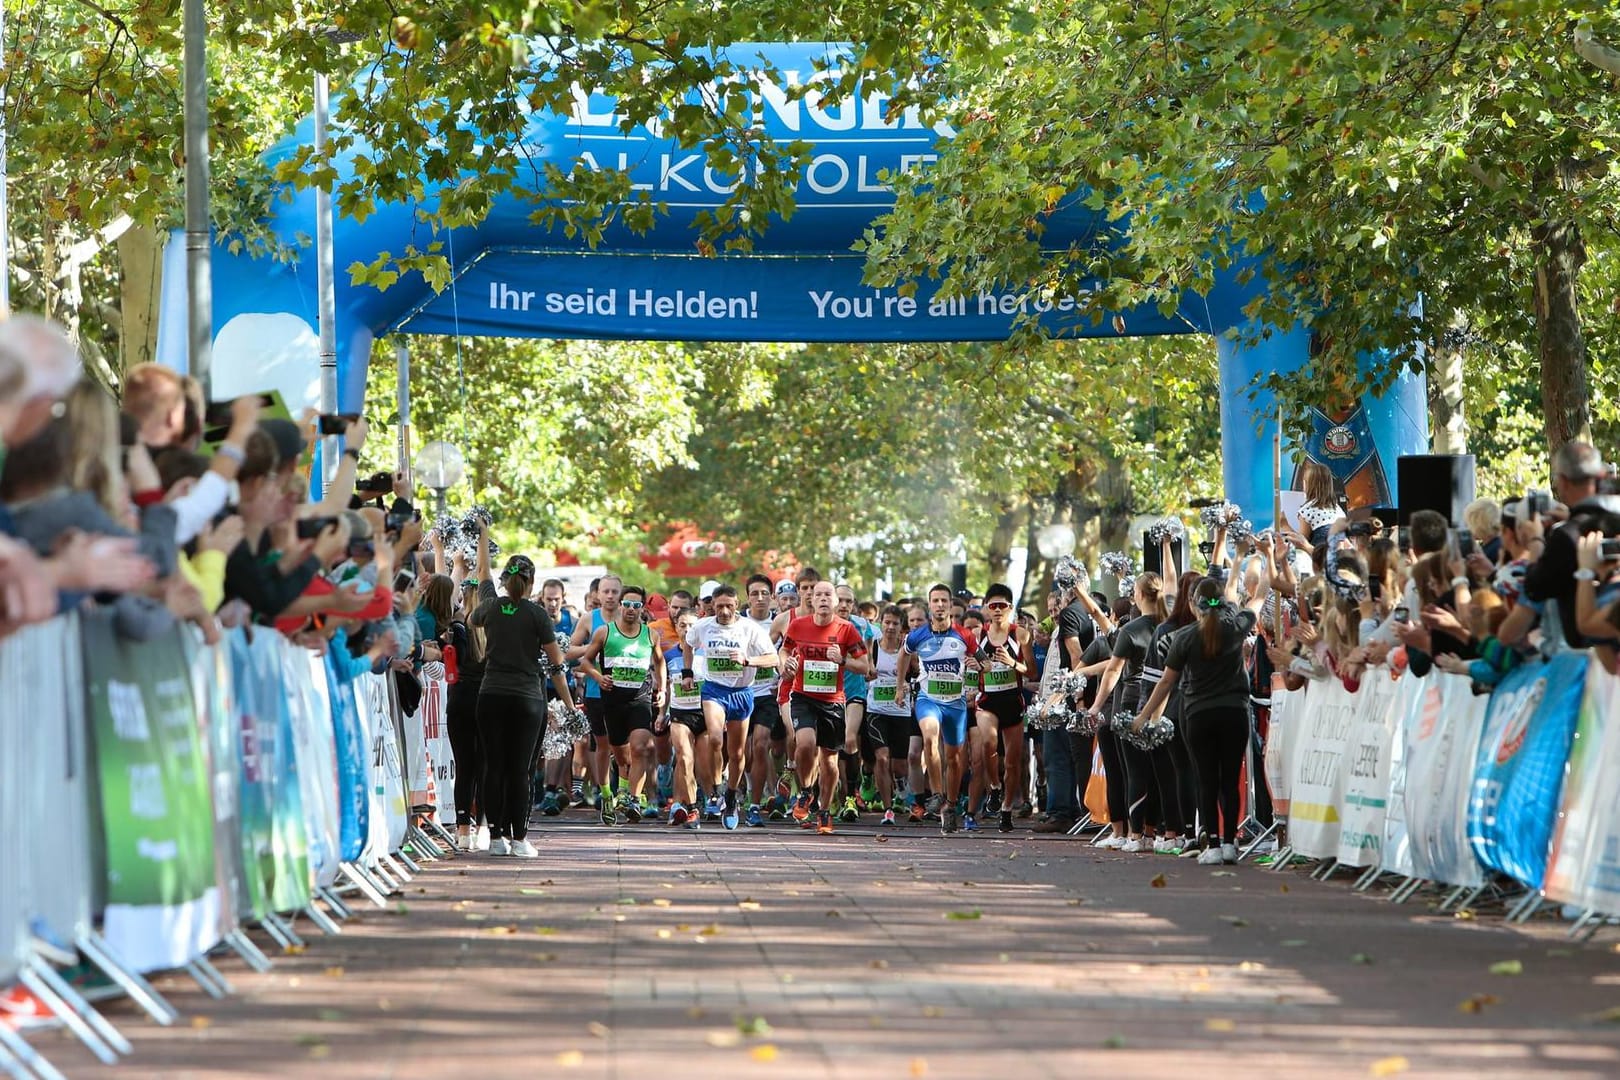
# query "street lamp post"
(440, 466)
(1055, 540)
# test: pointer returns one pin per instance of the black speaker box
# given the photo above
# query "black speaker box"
(1443, 483)
(1150, 559)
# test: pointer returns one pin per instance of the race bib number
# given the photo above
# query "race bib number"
(943, 685)
(724, 665)
(820, 677)
(764, 674)
(686, 702)
(628, 670)
(1000, 678)
(883, 690)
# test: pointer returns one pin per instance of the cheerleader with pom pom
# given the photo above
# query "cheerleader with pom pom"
(1206, 662)
(511, 702)
(1121, 691)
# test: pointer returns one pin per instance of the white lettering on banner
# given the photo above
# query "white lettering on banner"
(1367, 779)
(1316, 789)
(699, 305)
(146, 792)
(157, 850)
(1584, 867)
(128, 711)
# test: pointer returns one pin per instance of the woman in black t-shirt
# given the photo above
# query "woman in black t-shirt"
(1122, 679)
(1206, 660)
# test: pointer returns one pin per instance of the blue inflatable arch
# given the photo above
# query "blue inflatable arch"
(802, 283)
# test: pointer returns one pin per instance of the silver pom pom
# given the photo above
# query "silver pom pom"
(1239, 531)
(1152, 736)
(1070, 575)
(1169, 528)
(1116, 564)
(1223, 513)
(1085, 722)
(566, 727)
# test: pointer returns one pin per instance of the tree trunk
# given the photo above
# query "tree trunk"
(1008, 521)
(1559, 254)
(1033, 563)
(1114, 521)
(140, 257)
(1447, 419)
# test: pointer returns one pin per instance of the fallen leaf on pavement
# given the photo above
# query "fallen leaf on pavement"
(880, 838)
(570, 1059)
(833, 913)
(1389, 1066)
(200, 1022)
(1114, 1042)
(599, 1029)
(879, 964)
(1159, 881)
(665, 933)
(763, 1052)
(1251, 965)
(503, 930)
(1508, 967)
(1465, 914)
(919, 1066)
(1236, 920)
(1282, 888)
(628, 901)
(975, 913)
(544, 957)
(1608, 1016)
(723, 1038)
(334, 972)
(294, 950)
(545, 931)
(748, 905)
(753, 1026)
(662, 901)
(1219, 1023)
(932, 1011)
(1361, 958)
(1478, 1002)
(709, 931)
(532, 892)
(1223, 873)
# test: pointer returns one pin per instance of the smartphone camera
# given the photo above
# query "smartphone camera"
(335, 423)
(1465, 543)
(310, 528)
(1609, 548)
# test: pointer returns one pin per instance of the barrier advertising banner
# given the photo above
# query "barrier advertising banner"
(441, 759)
(1366, 769)
(1584, 868)
(1396, 855)
(1286, 706)
(350, 746)
(310, 713)
(1519, 770)
(1316, 749)
(388, 820)
(1440, 750)
(289, 843)
(157, 813)
(216, 713)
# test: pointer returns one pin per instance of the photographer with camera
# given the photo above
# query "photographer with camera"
(1597, 592)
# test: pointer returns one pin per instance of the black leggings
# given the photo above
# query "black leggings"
(461, 717)
(1141, 786)
(508, 728)
(1113, 776)
(1173, 772)
(1216, 739)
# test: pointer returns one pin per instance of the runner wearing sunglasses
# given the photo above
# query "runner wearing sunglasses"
(622, 656)
(1000, 712)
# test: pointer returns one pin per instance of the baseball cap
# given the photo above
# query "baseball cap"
(706, 590)
(785, 587)
(285, 434)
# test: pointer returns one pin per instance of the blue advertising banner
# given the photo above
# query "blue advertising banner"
(1519, 770)
(354, 798)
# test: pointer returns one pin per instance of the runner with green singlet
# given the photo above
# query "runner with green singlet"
(625, 657)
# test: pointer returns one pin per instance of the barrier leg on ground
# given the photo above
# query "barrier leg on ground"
(1403, 892)
(250, 953)
(40, 969)
(363, 881)
(402, 866)
(1368, 876)
(322, 920)
(1325, 870)
(29, 1063)
(443, 835)
(339, 909)
(139, 990)
(59, 1007)
(1284, 856)
(282, 931)
(1264, 834)
(207, 976)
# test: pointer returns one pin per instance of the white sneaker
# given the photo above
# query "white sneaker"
(1111, 842)
(499, 846)
(524, 850)
(1210, 857)
(1166, 846)
(466, 840)
(1133, 846)
(1228, 853)
(481, 839)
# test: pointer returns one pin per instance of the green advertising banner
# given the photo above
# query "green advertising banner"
(162, 903)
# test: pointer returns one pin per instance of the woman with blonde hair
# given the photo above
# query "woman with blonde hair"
(1321, 508)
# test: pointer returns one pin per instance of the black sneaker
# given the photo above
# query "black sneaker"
(992, 802)
(1006, 821)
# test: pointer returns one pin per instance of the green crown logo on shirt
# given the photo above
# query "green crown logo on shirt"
(509, 609)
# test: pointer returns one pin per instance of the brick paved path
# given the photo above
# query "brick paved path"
(655, 953)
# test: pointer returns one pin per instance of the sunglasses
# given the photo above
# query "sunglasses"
(998, 605)
(633, 605)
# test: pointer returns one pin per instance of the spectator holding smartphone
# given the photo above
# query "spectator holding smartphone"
(1577, 468)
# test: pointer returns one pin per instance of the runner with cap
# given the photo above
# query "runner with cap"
(706, 598)
(944, 655)
(815, 652)
(733, 649)
(1000, 710)
(767, 735)
(625, 660)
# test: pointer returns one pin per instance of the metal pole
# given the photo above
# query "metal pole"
(402, 383)
(325, 288)
(199, 274)
(5, 224)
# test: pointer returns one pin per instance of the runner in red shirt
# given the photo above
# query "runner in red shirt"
(816, 651)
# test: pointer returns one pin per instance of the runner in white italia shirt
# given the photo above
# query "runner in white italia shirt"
(732, 648)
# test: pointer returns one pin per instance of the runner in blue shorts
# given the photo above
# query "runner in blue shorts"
(943, 655)
(732, 649)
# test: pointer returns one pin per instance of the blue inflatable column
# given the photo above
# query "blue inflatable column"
(1358, 444)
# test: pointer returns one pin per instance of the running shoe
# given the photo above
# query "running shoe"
(467, 841)
(970, 823)
(630, 808)
(1167, 846)
(665, 777)
(576, 793)
(785, 786)
(716, 806)
(1111, 842)
(605, 810)
(801, 806)
(729, 818)
(824, 823)
(992, 802)
(916, 811)
(481, 838)
(1210, 857)
(499, 846)
(945, 822)
(850, 812)
(888, 817)
(549, 805)
(778, 810)
(524, 850)
(869, 794)
(1023, 810)
(693, 823)
(1006, 825)
(808, 821)
(678, 814)
(1229, 853)
(936, 803)
(754, 820)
